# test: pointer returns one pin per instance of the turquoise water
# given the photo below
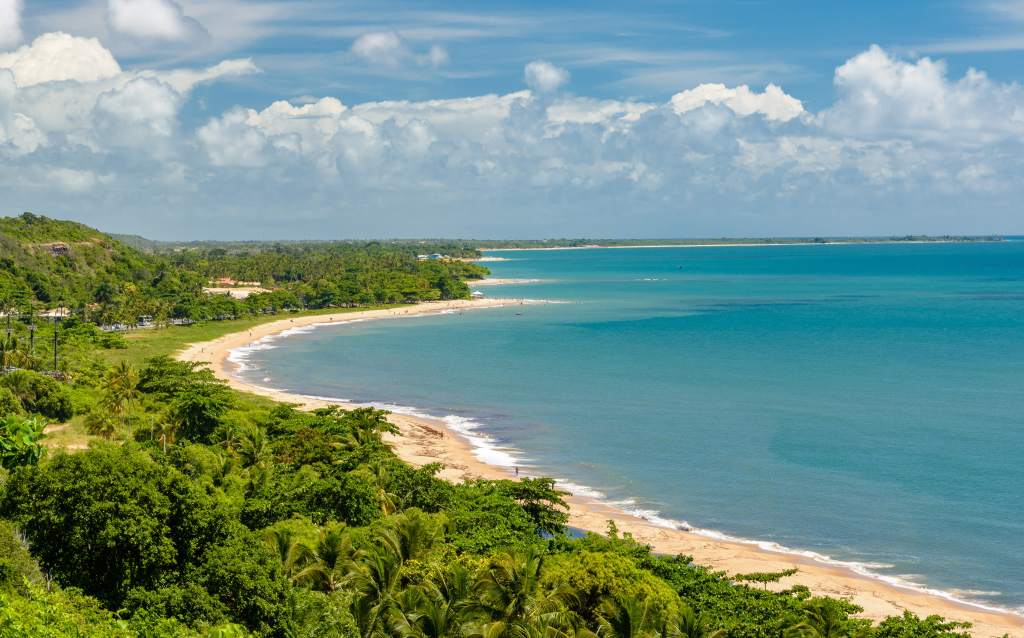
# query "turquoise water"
(862, 402)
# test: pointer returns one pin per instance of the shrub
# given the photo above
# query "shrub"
(53, 398)
(113, 340)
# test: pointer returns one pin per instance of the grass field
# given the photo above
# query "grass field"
(147, 343)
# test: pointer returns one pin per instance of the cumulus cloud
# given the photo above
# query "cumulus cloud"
(382, 47)
(773, 103)
(154, 19)
(883, 96)
(10, 23)
(390, 49)
(545, 77)
(59, 56)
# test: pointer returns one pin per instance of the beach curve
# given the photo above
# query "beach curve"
(427, 440)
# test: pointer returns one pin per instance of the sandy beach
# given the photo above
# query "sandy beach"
(427, 441)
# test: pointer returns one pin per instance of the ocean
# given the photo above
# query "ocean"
(859, 403)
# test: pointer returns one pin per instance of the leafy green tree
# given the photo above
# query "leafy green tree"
(199, 406)
(109, 519)
(597, 577)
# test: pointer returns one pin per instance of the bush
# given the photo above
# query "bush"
(22, 566)
(53, 398)
(113, 340)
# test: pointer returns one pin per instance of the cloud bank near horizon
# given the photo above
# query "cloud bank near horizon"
(903, 148)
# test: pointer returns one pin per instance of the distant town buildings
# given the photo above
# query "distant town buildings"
(432, 256)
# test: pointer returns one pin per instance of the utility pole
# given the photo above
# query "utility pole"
(32, 331)
(55, 346)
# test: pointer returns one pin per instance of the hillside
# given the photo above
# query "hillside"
(45, 263)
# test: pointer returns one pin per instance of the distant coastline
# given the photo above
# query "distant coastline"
(581, 244)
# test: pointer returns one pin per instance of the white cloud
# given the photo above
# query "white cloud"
(10, 22)
(381, 47)
(773, 103)
(159, 19)
(59, 56)
(882, 96)
(230, 141)
(897, 127)
(545, 77)
(437, 56)
(390, 49)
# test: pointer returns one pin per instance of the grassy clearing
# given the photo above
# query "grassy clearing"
(144, 344)
(71, 436)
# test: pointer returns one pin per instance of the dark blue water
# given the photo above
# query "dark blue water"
(864, 402)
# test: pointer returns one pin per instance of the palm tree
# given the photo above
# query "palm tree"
(225, 437)
(329, 562)
(8, 351)
(824, 620)
(100, 422)
(376, 574)
(414, 536)
(121, 381)
(293, 553)
(20, 384)
(511, 601)
(440, 612)
(688, 624)
(255, 449)
(625, 617)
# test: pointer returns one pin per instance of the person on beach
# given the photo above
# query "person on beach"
(517, 470)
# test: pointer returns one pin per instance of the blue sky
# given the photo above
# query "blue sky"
(240, 119)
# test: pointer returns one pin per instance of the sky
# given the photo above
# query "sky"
(306, 119)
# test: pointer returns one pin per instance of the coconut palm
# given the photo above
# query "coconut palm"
(254, 449)
(688, 624)
(625, 617)
(511, 601)
(9, 351)
(120, 388)
(101, 422)
(414, 535)
(226, 437)
(824, 620)
(20, 384)
(440, 612)
(376, 574)
(329, 561)
(293, 553)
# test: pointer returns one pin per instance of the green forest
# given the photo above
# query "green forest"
(140, 496)
(46, 264)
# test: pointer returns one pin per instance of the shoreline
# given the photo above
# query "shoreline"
(429, 440)
(498, 282)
